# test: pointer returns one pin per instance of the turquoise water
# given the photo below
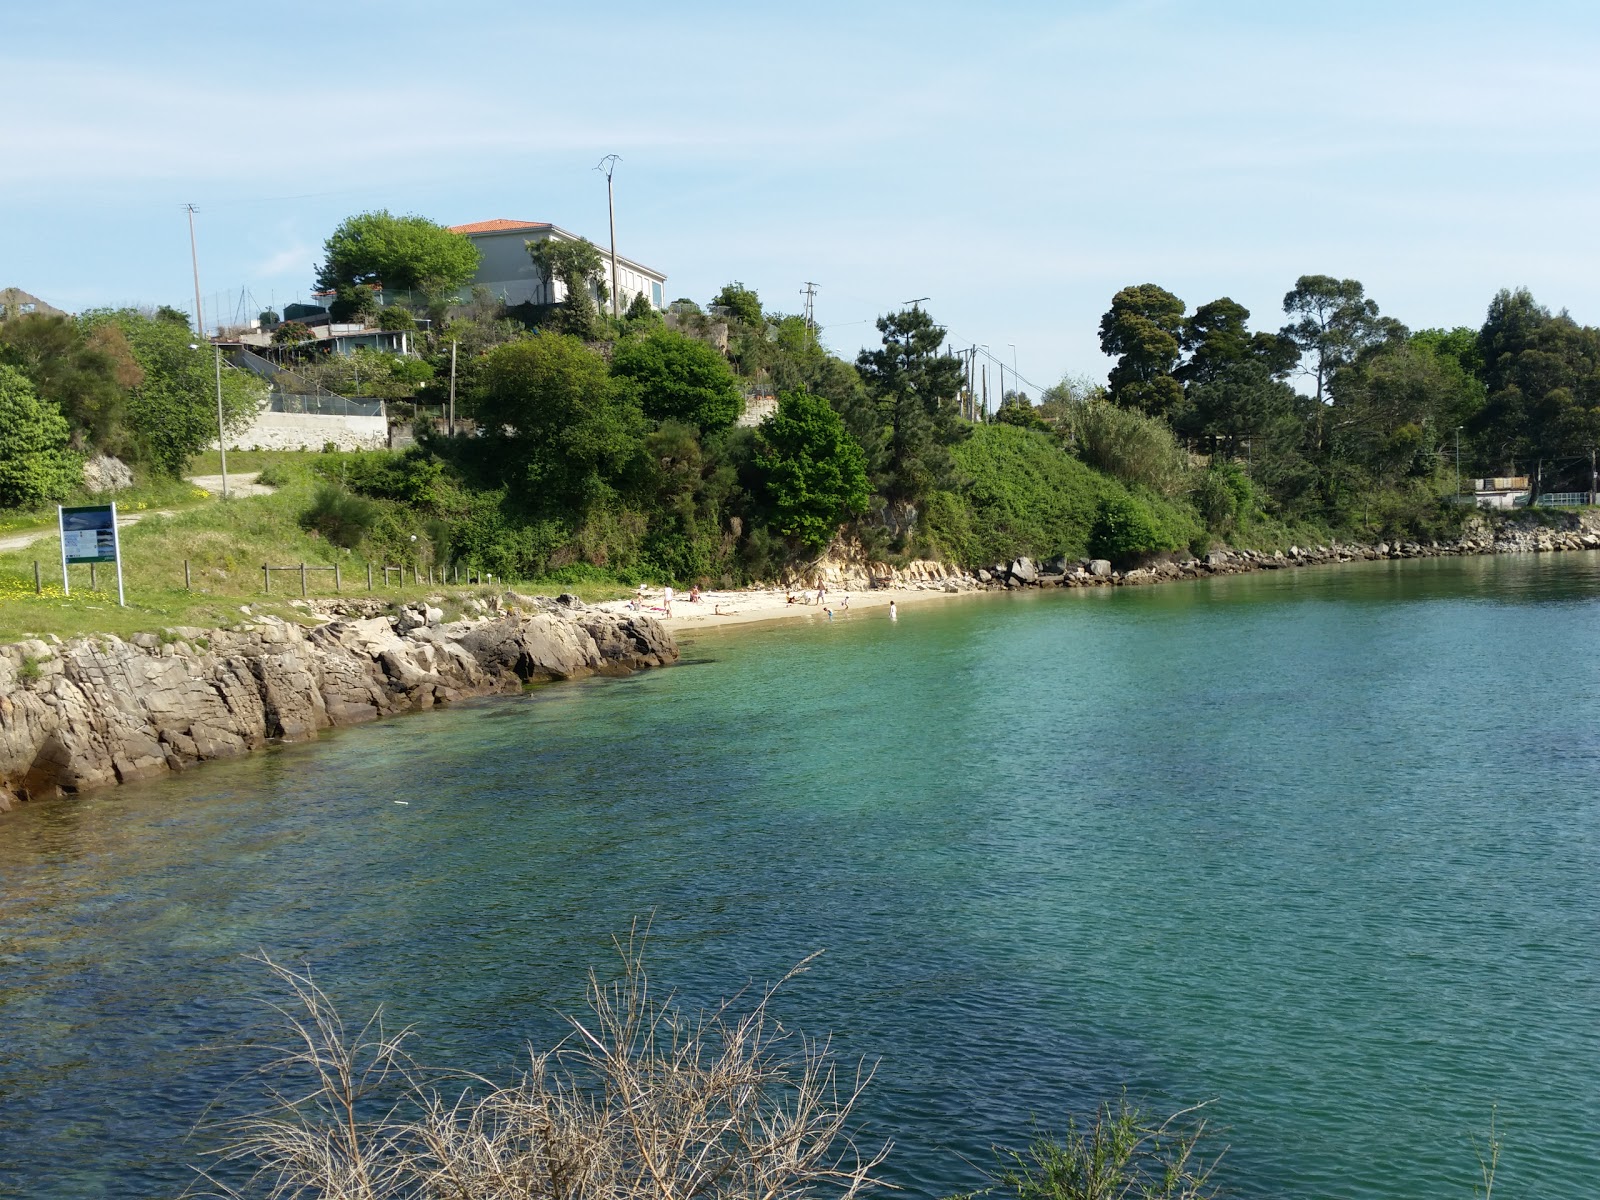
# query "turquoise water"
(1319, 846)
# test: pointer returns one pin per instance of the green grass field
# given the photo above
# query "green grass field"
(225, 544)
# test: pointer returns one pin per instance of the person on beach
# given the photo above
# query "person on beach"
(694, 594)
(666, 600)
(822, 595)
(893, 615)
(829, 611)
(790, 599)
(845, 607)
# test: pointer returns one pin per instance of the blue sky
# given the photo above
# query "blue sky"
(1014, 162)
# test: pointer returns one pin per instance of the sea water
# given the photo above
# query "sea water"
(1320, 847)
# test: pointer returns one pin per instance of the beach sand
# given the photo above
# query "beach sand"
(717, 609)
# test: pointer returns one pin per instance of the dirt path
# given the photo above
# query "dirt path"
(238, 485)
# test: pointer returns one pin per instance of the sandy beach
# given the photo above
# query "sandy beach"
(717, 609)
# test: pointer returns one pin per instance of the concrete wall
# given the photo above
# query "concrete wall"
(306, 431)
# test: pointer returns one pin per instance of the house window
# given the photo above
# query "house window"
(655, 293)
(27, 308)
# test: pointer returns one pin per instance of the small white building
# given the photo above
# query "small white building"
(511, 277)
(1503, 491)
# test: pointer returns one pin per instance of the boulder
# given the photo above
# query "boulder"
(1023, 571)
(103, 473)
(1100, 568)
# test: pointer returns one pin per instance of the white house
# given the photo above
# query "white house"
(509, 274)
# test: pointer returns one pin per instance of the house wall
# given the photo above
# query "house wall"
(508, 272)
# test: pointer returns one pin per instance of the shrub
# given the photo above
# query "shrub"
(35, 464)
(641, 1099)
(1139, 450)
(1224, 497)
(340, 517)
(1123, 1154)
(1125, 528)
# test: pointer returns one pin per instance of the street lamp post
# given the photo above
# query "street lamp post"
(222, 441)
(1016, 375)
(222, 437)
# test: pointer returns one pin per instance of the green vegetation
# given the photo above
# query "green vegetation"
(35, 466)
(608, 450)
(407, 253)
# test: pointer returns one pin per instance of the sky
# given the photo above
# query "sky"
(1015, 163)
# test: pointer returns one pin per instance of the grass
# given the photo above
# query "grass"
(225, 544)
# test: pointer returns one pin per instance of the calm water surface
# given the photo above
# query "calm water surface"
(1321, 846)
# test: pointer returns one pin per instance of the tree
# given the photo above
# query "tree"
(291, 333)
(1242, 402)
(566, 426)
(171, 415)
(1017, 409)
(679, 377)
(815, 473)
(1217, 337)
(35, 465)
(581, 270)
(353, 302)
(408, 253)
(1142, 330)
(1336, 322)
(741, 302)
(85, 372)
(1543, 377)
(914, 386)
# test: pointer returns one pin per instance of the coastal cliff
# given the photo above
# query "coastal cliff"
(97, 711)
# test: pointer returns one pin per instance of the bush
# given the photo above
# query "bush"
(1123, 1154)
(1023, 494)
(35, 465)
(641, 1099)
(340, 517)
(1125, 528)
(1224, 497)
(1139, 450)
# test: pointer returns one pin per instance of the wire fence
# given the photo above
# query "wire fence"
(294, 393)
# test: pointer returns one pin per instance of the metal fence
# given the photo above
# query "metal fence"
(1562, 500)
(327, 404)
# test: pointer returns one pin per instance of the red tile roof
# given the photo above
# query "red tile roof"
(498, 225)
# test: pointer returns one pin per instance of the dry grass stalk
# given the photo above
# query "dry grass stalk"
(641, 1100)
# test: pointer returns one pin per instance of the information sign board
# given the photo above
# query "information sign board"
(89, 535)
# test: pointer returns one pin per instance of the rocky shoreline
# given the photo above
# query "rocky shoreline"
(1483, 535)
(98, 711)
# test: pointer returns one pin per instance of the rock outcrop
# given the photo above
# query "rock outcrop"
(98, 711)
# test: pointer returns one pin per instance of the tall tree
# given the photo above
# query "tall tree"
(171, 414)
(815, 475)
(407, 252)
(1336, 321)
(581, 270)
(1142, 331)
(1218, 337)
(85, 371)
(741, 302)
(679, 378)
(568, 431)
(915, 385)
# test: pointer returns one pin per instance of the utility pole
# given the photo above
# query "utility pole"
(194, 261)
(452, 389)
(606, 166)
(1015, 374)
(810, 293)
(985, 389)
(1458, 460)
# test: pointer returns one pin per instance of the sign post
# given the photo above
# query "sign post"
(89, 535)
